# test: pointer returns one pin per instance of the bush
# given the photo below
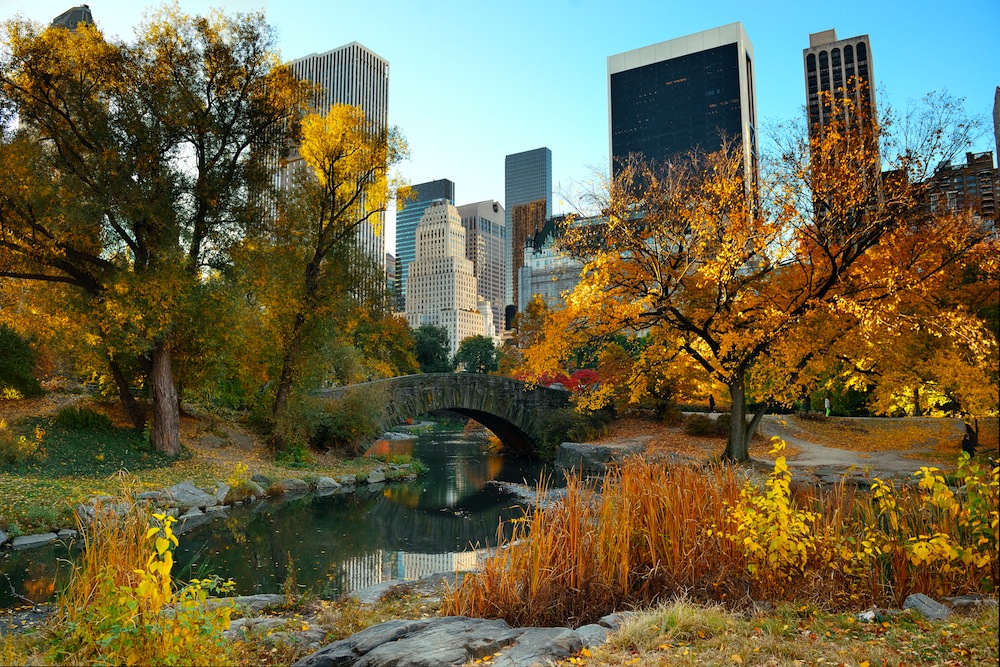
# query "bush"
(121, 606)
(568, 425)
(16, 449)
(82, 419)
(17, 363)
(350, 421)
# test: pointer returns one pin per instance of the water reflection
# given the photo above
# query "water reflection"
(343, 542)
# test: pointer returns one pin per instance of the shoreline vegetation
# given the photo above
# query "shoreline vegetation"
(787, 574)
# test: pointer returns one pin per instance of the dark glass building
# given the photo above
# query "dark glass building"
(73, 17)
(527, 181)
(688, 93)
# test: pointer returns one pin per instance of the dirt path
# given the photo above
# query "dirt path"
(864, 460)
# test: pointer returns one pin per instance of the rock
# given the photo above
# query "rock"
(220, 494)
(191, 513)
(930, 609)
(966, 602)
(326, 483)
(594, 459)
(593, 634)
(29, 541)
(347, 480)
(155, 496)
(537, 646)
(452, 640)
(186, 495)
(248, 604)
(241, 626)
(262, 480)
(291, 485)
(376, 476)
(215, 508)
(66, 534)
(372, 594)
(3, 537)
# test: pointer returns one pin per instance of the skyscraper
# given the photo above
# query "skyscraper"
(996, 124)
(73, 17)
(351, 74)
(485, 246)
(527, 183)
(441, 289)
(683, 94)
(838, 69)
(408, 215)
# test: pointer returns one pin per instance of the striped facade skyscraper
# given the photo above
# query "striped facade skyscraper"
(351, 74)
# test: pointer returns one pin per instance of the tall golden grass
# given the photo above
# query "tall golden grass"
(647, 534)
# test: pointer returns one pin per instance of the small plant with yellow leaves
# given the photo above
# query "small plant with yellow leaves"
(16, 449)
(121, 606)
(778, 538)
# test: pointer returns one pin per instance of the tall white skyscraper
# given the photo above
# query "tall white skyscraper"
(351, 74)
(485, 247)
(441, 288)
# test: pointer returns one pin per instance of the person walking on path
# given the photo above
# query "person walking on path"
(826, 404)
(711, 403)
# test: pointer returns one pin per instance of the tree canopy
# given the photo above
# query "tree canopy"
(477, 354)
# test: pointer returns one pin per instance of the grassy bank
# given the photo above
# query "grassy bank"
(70, 464)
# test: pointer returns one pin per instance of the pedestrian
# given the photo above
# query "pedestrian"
(711, 403)
(826, 404)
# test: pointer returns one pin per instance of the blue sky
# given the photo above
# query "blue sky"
(472, 81)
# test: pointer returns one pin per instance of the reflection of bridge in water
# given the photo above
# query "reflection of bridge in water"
(511, 409)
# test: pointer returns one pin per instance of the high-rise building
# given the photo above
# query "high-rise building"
(485, 246)
(996, 124)
(527, 182)
(441, 289)
(837, 68)
(351, 74)
(964, 187)
(73, 17)
(548, 272)
(688, 93)
(408, 215)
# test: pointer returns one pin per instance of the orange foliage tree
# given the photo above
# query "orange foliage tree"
(132, 170)
(741, 276)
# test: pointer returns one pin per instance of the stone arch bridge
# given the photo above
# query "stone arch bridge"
(509, 408)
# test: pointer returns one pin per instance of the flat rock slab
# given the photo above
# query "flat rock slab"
(588, 458)
(929, 608)
(291, 485)
(186, 495)
(452, 640)
(29, 541)
(3, 537)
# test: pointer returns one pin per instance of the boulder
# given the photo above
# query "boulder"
(30, 541)
(66, 534)
(963, 602)
(591, 459)
(434, 642)
(327, 483)
(186, 495)
(248, 604)
(930, 609)
(540, 646)
(376, 476)
(221, 492)
(262, 480)
(291, 485)
(3, 537)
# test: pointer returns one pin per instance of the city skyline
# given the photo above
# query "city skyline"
(538, 71)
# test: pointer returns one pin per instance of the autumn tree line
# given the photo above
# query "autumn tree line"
(833, 268)
(145, 243)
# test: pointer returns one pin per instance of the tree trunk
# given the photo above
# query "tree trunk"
(738, 447)
(136, 413)
(166, 416)
(916, 402)
(288, 363)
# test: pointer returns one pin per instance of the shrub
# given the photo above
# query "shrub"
(82, 419)
(17, 363)
(348, 422)
(240, 486)
(121, 607)
(568, 425)
(17, 449)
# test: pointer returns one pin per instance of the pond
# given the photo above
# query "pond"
(338, 543)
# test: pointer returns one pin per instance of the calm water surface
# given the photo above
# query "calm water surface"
(338, 543)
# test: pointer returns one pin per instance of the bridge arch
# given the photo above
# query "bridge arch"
(509, 408)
